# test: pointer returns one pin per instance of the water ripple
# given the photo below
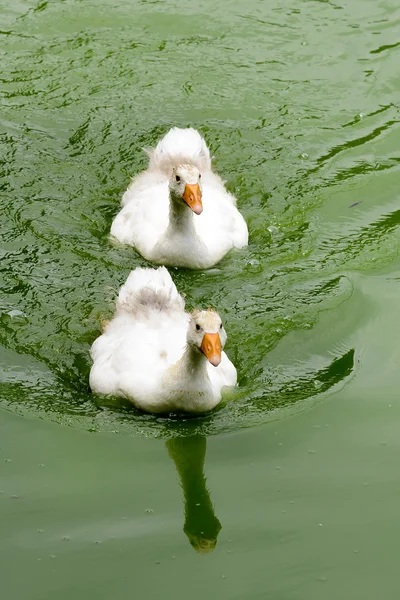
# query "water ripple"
(300, 108)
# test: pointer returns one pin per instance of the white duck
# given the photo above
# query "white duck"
(158, 356)
(178, 211)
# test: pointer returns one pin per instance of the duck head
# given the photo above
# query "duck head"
(207, 334)
(185, 185)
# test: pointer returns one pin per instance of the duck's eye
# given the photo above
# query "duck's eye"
(199, 175)
(197, 327)
(220, 326)
(177, 178)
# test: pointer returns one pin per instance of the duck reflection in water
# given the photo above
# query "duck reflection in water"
(201, 525)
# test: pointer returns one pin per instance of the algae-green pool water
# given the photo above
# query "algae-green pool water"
(290, 489)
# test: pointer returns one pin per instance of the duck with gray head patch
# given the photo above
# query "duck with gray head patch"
(178, 211)
(160, 357)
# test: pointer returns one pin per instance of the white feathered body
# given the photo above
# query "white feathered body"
(142, 354)
(144, 219)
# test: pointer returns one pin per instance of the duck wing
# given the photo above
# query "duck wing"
(146, 336)
(144, 218)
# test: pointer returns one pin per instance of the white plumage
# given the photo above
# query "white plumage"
(157, 355)
(157, 216)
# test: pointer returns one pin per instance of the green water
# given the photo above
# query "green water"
(293, 485)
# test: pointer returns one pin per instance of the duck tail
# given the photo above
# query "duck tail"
(179, 146)
(149, 290)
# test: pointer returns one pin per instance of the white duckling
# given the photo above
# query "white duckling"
(178, 211)
(158, 356)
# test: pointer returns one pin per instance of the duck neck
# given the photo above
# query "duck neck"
(180, 217)
(193, 363)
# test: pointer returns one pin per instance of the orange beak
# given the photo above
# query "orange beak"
(192, 197)
(211, 347)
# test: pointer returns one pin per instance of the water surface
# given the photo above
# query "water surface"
(299, 102)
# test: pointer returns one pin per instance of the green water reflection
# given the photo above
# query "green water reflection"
(201, 525)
